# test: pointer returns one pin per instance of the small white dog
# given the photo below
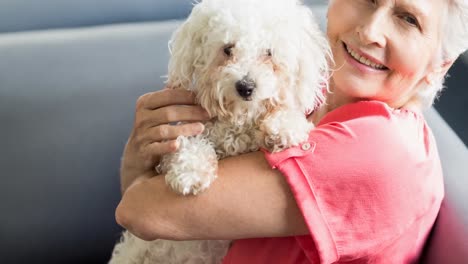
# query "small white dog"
(257, 67)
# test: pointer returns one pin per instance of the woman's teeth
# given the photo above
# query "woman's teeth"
(364, 60)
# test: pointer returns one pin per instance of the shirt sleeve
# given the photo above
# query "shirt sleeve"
(353, 182)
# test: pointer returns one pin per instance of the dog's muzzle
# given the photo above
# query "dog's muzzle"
(245, 87)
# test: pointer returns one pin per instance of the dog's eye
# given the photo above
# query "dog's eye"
(269, 52)
(228, 50)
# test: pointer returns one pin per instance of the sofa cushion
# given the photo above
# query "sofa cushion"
(67, 100)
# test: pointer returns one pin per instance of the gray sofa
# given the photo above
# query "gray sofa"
(70, 73)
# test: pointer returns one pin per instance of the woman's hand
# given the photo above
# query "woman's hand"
(154, 133)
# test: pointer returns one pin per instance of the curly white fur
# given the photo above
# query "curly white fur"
(257, 67)
(133, 250)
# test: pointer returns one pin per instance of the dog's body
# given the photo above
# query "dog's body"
(194, 166)
(136, 251)
(256, 67)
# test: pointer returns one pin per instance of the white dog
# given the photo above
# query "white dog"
(257, 67)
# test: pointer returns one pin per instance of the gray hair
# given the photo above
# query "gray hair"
(454, 42)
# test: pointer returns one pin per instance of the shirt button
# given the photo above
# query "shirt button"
(305, 146)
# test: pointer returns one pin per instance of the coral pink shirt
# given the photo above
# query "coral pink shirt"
(369, 185)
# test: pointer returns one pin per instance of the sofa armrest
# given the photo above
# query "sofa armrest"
(448, 242)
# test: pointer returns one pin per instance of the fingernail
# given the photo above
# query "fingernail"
(174, 146)
(200, 128)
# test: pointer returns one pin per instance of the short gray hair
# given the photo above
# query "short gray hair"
(453, 43)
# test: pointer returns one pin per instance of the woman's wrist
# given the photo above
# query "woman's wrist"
(131, 170)
(133, 166)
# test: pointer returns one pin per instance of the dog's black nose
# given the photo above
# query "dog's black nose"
(245, 87)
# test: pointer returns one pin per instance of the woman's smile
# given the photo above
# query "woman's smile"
(364, 59)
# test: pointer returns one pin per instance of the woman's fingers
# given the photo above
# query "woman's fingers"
(171, 132)
(153, 135)
(180, 113)
(144, 157)
(165, 97)
(170, 114)
(157, 149)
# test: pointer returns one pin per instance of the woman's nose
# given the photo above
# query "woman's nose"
(372, 30)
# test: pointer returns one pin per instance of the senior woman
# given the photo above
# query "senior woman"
(367, 186)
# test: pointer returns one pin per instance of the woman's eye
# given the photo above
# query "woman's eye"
(268, 52)
(228, 50)
(410, 20)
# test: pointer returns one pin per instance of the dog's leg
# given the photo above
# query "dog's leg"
(193, 167)
(284, 129)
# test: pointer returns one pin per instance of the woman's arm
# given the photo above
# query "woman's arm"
(248, 199)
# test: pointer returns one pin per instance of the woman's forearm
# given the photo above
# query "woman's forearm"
(248, 199)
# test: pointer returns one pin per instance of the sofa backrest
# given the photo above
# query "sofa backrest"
(26, 15)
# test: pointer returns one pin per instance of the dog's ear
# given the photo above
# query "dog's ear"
(315, 56)
(186, 48)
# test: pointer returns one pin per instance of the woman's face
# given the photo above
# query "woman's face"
(385, 49)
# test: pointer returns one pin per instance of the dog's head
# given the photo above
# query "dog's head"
(244, 57)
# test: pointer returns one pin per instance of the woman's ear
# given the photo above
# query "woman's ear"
(439, 72)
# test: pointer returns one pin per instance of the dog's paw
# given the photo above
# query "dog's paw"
(284, 131)
(285, 139)
(187, 183)
(274, 143)
(192, 168)
(192, 176)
